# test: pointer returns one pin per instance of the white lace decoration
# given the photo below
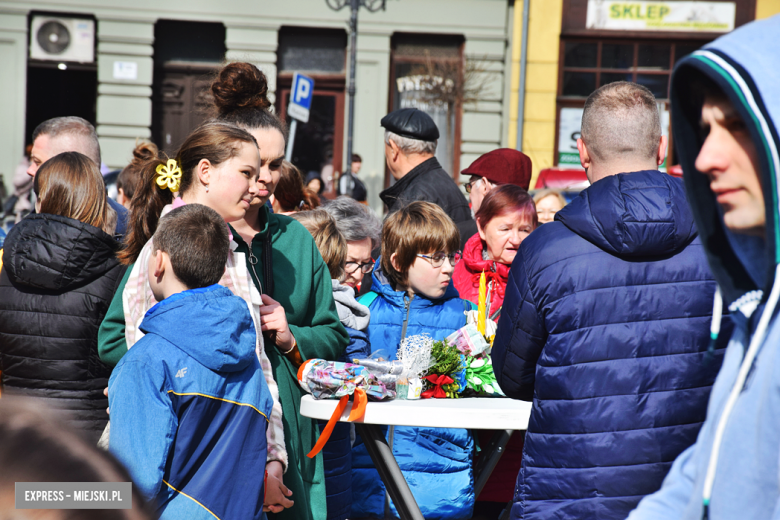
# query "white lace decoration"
(415, 354)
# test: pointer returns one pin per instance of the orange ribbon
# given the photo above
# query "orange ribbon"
(437, 392)
(356, 414)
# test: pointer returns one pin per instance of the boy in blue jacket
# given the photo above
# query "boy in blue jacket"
(189, 404)
(412, 294)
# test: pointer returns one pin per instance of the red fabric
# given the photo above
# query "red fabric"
(500, 487)
(437, 392)
(467, 272)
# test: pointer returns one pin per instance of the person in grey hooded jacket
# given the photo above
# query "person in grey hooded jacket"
(337, 453)
(726, 115)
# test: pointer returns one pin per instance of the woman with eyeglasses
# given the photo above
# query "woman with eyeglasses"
(337, 452)
(360, 228)
(505, 218)
(412, 294)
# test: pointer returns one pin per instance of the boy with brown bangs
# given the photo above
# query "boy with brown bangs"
(412, 294)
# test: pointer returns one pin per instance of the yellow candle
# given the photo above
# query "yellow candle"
(482, 304)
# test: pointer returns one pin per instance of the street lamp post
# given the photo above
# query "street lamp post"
(372, 6)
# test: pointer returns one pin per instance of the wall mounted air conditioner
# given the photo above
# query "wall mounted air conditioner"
(57, 38)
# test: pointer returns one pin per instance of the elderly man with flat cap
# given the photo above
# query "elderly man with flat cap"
(410, 145)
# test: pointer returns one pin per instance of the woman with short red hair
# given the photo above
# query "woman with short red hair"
(506, 216)
(504, 219)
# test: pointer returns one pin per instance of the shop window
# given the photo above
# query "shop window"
(312, 50)
(425, 73)
(588, 65)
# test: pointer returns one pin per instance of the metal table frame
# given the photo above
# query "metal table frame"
(382, 454)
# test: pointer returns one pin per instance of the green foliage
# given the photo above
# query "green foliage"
(448, 359)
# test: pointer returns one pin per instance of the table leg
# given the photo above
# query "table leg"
(385, 463)
(488, 462)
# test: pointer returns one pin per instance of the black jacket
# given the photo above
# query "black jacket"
(467, 230)
(56, 283)
(428, 182)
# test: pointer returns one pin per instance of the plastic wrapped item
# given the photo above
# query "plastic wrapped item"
(337, 380)
(378, 367)
(415, 355)
(480, 377)
(334, 379)
(472, 317)
(414, 352)
(469, 341)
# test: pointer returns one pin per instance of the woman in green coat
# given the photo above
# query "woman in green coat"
(298, 319)
(299, 315)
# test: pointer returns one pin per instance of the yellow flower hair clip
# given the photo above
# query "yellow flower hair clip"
(169, 175)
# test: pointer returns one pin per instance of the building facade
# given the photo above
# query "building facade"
(142, 70)
(575, 46)
(152, 61)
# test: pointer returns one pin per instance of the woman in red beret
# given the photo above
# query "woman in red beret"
(506, 216)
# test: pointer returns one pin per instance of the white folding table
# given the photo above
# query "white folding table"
(475, 413)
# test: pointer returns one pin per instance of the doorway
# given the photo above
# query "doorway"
(318, 142)
(181, 102)
(54, 92)
(186, 56)
(320, 54)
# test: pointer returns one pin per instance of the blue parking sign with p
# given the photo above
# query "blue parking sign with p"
(300, 97)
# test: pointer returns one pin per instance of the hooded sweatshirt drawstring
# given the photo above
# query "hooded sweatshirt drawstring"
(755, 342)
(717, 317)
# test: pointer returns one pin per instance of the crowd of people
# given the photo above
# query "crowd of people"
(167, 327)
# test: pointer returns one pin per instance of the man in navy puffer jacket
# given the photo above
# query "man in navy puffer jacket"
(605, 325)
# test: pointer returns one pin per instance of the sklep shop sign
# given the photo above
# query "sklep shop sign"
(661, 16)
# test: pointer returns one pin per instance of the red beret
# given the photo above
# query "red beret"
(503, 166)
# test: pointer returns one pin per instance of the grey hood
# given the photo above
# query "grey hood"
(351, 313)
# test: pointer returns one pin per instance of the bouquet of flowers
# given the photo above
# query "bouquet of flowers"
(446, 377)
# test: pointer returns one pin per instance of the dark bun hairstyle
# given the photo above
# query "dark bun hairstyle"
(239, 86)
(240, 92)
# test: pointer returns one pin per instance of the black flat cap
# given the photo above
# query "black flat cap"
(412, 123)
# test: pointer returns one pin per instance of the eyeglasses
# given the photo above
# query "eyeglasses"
(437, 259)
(351, 267)
(470, 185)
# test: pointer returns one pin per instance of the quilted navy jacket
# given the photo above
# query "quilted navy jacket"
(605, 328)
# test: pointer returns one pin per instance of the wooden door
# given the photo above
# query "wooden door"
(181, 101)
